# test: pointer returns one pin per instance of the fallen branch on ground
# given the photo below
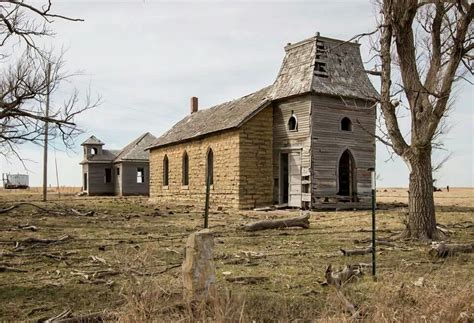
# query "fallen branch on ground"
(54, 255)
(247, 279)
(356, 252)
(95, 274)
(28, 227)
(45, 241)
(16, 270)
(63, 212)
(340, 277)
(463, 225)
(168, 268)
(76, 212)
(443, 250)
(300, 221)
(93, 317)
(443, 229)
(64, 314)
(381, 242)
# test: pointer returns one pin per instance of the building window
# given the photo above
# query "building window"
(210, 166)
(185, 179)
(93, 151)
(165, 171)
(140, 175)
(108, 175)
(293, 122)
(346, 124)
(118, 171)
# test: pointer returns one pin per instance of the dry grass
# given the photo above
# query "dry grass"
(144, 244)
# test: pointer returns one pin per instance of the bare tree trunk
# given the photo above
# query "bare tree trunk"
(421, 222)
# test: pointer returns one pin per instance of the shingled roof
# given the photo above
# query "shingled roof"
(136, 149)
(325, 66)
(106, 156)
(92, 140)
(231, 114)
(318, 64)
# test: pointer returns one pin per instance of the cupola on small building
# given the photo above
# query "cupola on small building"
(306, 141)
(116, 172)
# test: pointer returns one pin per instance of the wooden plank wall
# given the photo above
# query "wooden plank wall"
(97, 185)
(117, 178)
(284, 139)
(85, 170)
(129, 178)
(329, 142)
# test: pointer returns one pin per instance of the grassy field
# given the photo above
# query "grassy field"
(125, 261)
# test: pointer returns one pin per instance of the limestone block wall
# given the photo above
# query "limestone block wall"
(242, 168)
(256, 152)
(224, 191)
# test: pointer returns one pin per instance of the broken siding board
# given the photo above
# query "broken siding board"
(329, 142)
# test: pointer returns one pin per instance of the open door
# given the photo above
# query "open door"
(347, 183)
(290, 174)
(85, 182)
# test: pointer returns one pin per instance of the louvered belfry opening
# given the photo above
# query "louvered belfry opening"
(320, 66)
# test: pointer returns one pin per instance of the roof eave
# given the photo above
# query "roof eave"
(190, 139)
(131, 161)
(262, 106)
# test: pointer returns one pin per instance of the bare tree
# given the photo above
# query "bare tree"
(429, 45)
(24, 83)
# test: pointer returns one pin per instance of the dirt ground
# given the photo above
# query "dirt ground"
(125, 260)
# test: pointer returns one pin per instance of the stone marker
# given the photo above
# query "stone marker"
(199, 273)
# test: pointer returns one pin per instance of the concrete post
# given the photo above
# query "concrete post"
(199, 273)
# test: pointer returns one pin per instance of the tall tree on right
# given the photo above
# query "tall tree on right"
(428, 46)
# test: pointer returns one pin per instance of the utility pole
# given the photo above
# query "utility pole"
(57, 175)
(45, 155)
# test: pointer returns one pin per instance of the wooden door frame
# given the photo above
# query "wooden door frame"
(288, 150)
(85, 183)
(353, 178)
(280, 172)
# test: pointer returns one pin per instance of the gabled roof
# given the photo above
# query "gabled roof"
(92, 140)
(345, 75)
(231, 114)
(105, 156)
(136, 149)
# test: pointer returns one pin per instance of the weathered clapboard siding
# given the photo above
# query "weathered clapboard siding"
(329, 142)
(122, 164)
(96, 178)
(117, 178)
(286, 140)
(85, 181)
(128, 173)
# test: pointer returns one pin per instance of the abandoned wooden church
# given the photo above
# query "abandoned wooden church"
(304, 141)
(116, 172)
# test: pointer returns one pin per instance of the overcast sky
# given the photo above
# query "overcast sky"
(147, 58)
